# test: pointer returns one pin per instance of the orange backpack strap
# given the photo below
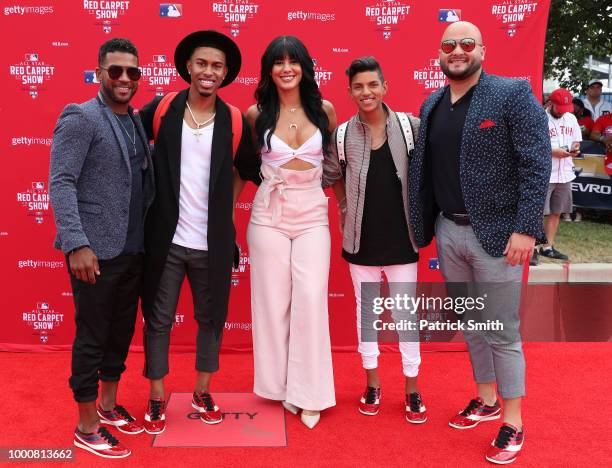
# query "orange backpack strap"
(161, 110)
(236, 127)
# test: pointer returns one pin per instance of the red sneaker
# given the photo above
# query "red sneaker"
(121, 419)
(100, 443)
(506, 446)
(370, 401)
(475, 413)
(155, 417)
(209, 412)
(416, 413)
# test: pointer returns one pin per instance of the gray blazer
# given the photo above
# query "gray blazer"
(90, 179)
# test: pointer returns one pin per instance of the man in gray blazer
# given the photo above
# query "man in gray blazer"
(101, 185)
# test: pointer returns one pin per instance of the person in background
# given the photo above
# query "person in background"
(565, 137)
(593, 100)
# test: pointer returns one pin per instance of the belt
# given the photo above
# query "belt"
(269, 185)
(458, 219)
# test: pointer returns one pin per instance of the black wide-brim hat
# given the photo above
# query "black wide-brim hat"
(208, 38)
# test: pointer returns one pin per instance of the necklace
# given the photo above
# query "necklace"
(133, 137)
(197, 133)
(293, 110)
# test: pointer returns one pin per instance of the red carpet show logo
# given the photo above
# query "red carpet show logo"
(244, 265)
(235, 13)
(36, 201)
(513, 12)
(43, 319)
(159, 74)
(32, 72)
(386, 15)
(322, 75)
(106, 12)
(430, 77)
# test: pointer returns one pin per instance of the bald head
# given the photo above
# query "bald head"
(461, 29)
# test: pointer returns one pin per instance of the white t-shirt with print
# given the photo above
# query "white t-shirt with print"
(563, 132)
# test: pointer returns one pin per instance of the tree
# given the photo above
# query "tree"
(576, 29)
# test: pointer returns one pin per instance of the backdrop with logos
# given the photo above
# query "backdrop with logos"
(51, 61)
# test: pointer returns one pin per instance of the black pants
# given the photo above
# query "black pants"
(181, 262)
(105, 318)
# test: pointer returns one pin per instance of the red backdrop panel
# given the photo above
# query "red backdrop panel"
(50, 62)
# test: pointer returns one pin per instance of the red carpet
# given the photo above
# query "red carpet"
(566, 413)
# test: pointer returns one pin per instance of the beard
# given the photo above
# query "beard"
(460, 75)
(109, 93)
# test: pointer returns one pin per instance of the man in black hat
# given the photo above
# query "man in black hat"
(189, 229)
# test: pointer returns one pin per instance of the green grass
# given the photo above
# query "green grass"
(589, 241)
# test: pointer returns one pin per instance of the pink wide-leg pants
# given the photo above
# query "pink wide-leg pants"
(289, 248)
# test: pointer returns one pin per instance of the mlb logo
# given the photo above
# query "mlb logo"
(31, 57)
(234, 30)
(43, 337)
(235, 281)
(449, 15)
(434, 264)
(159, 91)
(39, 219)
(106, 27)
(89, 76)
(159, 58)
(434, 62)
(512, 30)
(42, 305)
(171, 10)
(38, 185)
(314, 61)
(386, 34)
(33, 93)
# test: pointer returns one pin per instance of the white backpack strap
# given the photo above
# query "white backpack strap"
(340, 140)
(404, 121)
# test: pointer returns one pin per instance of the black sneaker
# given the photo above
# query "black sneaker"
(534, 258)
(553, 253)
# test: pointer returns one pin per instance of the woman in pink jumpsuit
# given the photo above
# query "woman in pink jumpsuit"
(288, 235)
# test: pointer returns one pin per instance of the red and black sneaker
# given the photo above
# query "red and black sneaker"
(416, 413)
(370, 401)
(474, 413)
(209, 412)
(155, 417)
(121, 419)
(100, 443)
(506, 446)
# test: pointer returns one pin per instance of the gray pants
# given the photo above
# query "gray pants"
(495, 356)
(181, 261)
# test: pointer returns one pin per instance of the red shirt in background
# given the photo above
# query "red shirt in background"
(586, 123)
(603, 125)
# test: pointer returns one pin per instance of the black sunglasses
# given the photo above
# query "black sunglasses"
(467, 44)
(116, 71)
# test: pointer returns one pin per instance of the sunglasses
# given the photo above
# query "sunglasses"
(467, 44)
(116, 71)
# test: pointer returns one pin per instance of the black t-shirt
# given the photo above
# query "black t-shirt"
(443, 149)
(134, 241)
(384, 231)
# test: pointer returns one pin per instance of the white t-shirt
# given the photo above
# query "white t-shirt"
(563, 132)
(192, 227)
(601, 108)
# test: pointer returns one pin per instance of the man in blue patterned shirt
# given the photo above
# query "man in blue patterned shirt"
(478, 180)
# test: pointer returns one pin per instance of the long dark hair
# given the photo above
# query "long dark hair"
(267, 96)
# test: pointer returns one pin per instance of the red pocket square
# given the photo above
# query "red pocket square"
(487, 123)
